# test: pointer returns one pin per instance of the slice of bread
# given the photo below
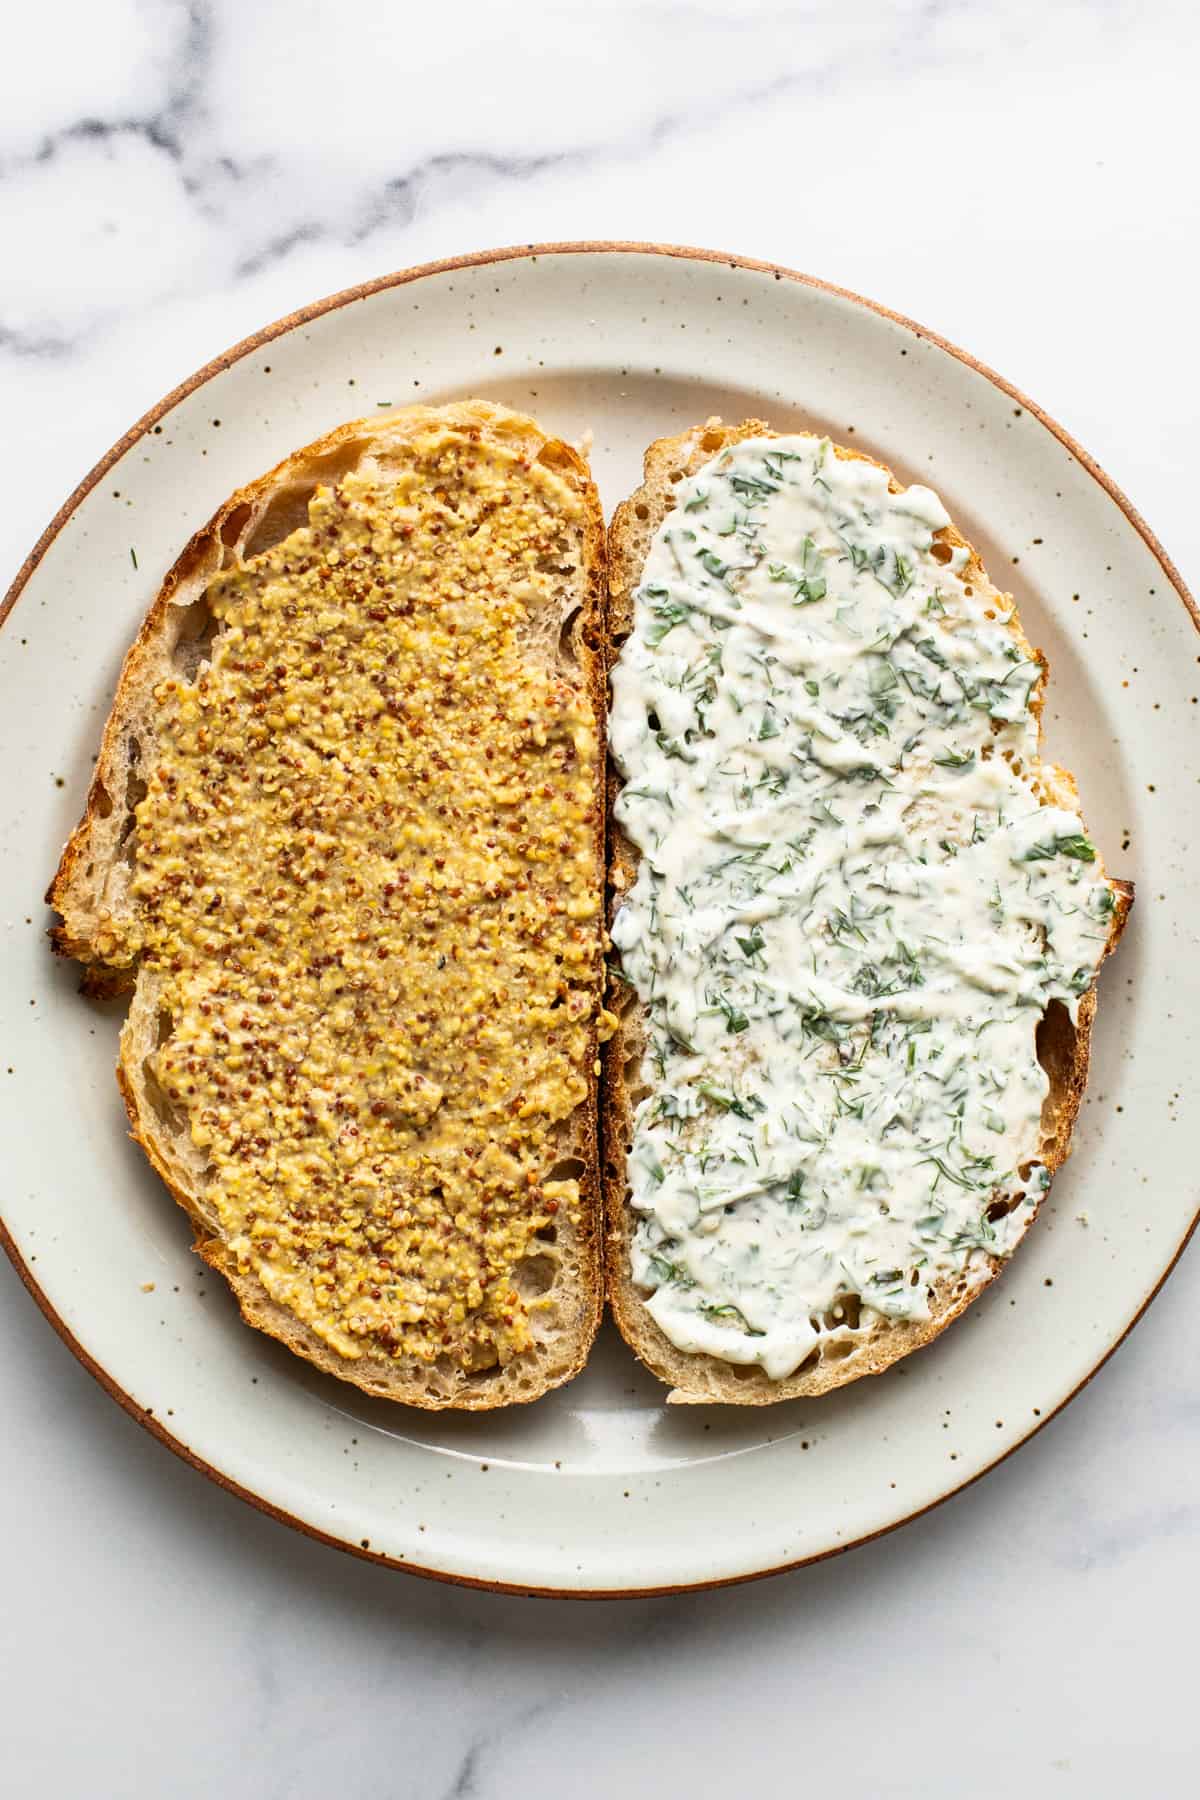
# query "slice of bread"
(859, 1345)
(344, 846)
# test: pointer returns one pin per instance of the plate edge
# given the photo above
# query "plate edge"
(225, 360)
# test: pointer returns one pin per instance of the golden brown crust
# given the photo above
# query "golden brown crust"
(92, 876)
(1062, 1046)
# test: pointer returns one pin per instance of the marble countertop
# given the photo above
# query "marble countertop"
(1019, 177)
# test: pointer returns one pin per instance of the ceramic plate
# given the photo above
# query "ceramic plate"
(600, 1488)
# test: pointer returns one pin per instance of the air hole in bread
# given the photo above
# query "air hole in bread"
(558, 559)
(235, 523)
(810, 1362)
(569, 1168)
(999, 1209)
(287, 511)
(196, 628)
(534, 1276)
(838, 1349)
(653, 721)
(102, 801)
(941, 552)
(160, 1101)
(1056, 1035)
(641, 511)
(743, 1371)
(164, 1025)
(677, 475)
(555, 455)
(844, 1313)
(712, 440)
(135, 793)
(547, 1235)
(567, 650)
(477, 1377)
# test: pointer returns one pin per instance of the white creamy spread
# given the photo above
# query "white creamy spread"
(851, 910)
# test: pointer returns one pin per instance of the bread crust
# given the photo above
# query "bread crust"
(1063, 1046)
(93, 876)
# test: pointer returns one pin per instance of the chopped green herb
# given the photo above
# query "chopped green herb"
(729, 1311)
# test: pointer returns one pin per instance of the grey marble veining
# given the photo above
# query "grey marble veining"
(173, 173)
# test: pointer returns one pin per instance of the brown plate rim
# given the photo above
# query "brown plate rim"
(289, 322)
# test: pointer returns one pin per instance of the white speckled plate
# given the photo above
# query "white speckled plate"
(600, 1488)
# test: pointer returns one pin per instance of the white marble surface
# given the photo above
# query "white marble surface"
(1021, 177)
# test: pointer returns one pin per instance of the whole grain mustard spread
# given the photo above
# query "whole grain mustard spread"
(366, 870)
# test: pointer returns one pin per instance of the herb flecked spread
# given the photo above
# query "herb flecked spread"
(366, 873)
(851, 911)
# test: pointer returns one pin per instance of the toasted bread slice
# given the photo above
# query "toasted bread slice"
(344, 845)
(853, 1343)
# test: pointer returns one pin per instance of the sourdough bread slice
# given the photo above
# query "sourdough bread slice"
(344, 791)
(865, 1343)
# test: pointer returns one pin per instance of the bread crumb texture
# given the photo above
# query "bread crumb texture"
(364, 877)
